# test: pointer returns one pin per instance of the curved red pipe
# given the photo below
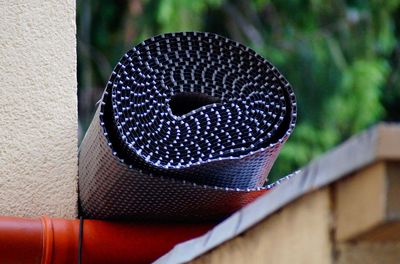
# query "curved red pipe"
(50, 240)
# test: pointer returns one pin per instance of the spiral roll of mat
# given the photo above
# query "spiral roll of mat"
(188, 127)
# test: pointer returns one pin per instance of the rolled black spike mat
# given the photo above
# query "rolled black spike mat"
(188, 128)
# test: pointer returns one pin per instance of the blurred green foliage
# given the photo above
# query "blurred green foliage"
(341, 57)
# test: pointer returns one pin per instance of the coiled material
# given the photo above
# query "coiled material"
(189, 126)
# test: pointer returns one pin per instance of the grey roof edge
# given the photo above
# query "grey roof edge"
(355, 153)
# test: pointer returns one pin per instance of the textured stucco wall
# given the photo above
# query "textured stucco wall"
(38, 108)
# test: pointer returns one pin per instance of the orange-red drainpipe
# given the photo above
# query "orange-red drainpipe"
(47, 240)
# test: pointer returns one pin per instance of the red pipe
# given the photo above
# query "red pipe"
(50, 240)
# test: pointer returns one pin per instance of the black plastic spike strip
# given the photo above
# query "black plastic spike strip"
(188, 128)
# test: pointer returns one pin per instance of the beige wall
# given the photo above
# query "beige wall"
(38, 108)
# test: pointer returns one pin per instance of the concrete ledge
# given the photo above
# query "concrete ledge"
(338, 209)
(298, 233)
(368, 204)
